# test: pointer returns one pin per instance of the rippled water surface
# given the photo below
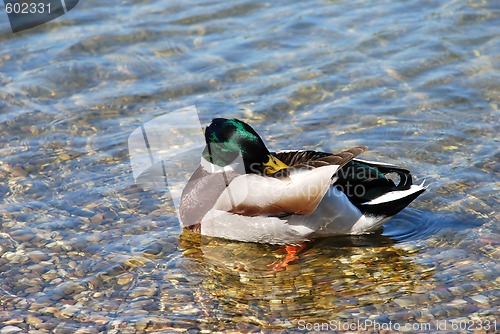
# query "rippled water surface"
(83, 248)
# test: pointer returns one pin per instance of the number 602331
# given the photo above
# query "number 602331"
(27, 8)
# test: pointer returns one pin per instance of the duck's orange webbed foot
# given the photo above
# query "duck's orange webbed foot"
(291, 255)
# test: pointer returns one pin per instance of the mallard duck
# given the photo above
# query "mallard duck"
(242, 191)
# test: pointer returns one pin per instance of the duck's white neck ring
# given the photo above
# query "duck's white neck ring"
(211, 168)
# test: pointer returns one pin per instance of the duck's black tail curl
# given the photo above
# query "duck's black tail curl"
(367, 186)
(363, 181)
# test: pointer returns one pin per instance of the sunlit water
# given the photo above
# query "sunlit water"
(82, 247)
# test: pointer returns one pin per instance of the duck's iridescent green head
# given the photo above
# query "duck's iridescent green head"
(229, 138)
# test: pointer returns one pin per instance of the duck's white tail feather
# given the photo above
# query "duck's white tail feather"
(395, 195)
(389, 204)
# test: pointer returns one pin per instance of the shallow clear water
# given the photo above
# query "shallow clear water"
(82, 247)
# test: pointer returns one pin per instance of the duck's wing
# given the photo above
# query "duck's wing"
(370, 187)
(256, 195)
(313, 159)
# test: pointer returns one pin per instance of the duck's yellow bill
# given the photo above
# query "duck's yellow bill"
(274, 165)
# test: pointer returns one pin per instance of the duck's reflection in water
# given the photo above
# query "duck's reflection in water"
(331, 278)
